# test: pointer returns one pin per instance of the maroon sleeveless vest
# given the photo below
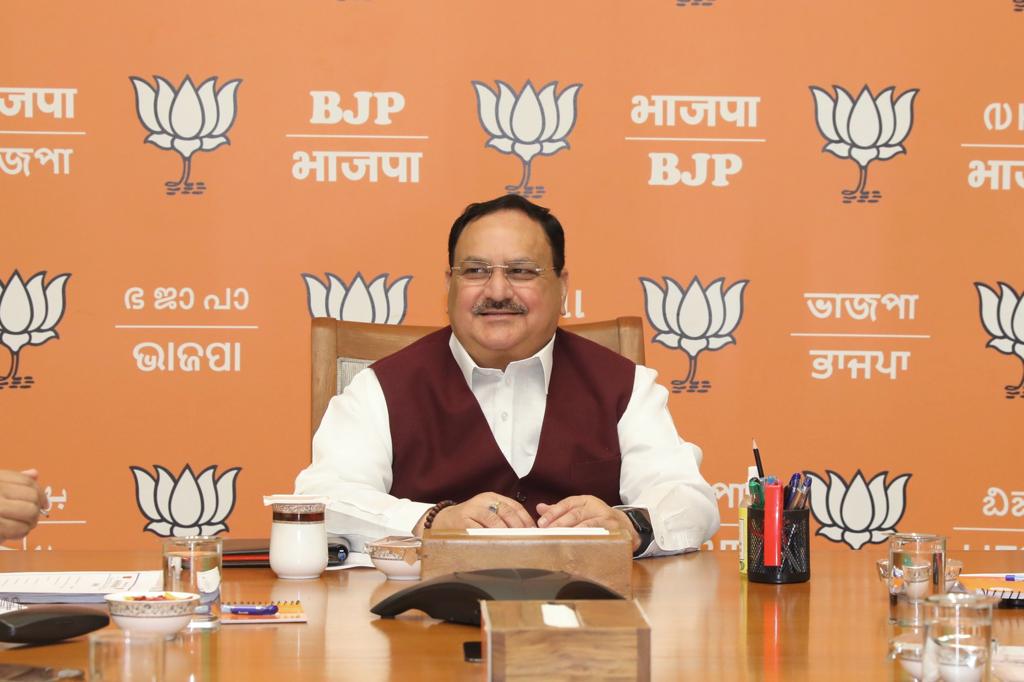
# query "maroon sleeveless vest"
(444, 449)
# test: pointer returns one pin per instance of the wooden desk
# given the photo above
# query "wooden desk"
(707, 624)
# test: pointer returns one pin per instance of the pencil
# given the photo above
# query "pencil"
(757, 460)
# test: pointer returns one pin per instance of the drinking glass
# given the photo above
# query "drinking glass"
(958, 638)
(194, 564)
(121, 655)
(917, 565)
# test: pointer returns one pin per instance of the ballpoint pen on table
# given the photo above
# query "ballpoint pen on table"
(250, 609)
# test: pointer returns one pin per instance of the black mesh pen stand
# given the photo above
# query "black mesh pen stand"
(796, 548)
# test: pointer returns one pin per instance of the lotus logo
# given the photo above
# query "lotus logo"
(1002, 315)
(870, 128)
(693, 319)
(528, 124)
(188, 505)
(29, 315)
(358, 302)
(186, 120)
(860, 512)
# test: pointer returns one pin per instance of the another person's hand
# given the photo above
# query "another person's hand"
(586, 511)
(486, 510)
(20, 502)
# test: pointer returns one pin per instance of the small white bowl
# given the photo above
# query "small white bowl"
(160, 613)
(396, 556)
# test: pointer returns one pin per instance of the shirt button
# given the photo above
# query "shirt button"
(521, 497)
(508, 379)
(504, 416)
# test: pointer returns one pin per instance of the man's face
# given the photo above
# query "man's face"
(499, 321)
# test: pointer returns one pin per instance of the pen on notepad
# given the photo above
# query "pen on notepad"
(1008, 577)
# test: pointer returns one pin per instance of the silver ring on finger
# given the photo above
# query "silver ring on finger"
(493, 507)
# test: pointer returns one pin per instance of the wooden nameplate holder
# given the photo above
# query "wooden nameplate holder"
(612, 642)
(605, 559)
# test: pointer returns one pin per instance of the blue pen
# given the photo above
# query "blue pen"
(254, 610)
(1014, 577)
(790, 490)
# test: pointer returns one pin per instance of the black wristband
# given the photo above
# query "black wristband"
(641, 520)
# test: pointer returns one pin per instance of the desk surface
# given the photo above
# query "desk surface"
(706, 622)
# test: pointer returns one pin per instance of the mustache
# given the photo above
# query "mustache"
(505, 306)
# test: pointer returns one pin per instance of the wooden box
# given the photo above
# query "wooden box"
(604, 559)
(613, 642)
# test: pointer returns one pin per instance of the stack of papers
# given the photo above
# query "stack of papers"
(77, 587)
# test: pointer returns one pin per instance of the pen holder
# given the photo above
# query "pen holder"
(795, 542)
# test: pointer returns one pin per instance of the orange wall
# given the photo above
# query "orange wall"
(780, 222)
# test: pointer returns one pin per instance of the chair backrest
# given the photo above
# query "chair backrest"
(341, 349)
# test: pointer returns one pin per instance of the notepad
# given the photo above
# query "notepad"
(536, 532)
(992, 586)
(75, 587)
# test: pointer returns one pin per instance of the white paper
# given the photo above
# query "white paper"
(75, 586)
(294, 499)
(537, 532)
(559, 616)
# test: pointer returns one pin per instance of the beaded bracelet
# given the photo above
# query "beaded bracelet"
(432, 512)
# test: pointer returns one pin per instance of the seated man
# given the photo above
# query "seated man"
(504, 420)
(20, 502)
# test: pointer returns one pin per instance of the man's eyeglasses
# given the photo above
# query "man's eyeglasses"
(479, 272)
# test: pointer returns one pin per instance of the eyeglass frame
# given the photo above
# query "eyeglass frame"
(490, 267)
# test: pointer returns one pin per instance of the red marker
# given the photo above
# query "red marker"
(773, 524)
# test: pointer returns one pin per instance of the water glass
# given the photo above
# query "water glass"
(121, 655)
(917, 565)
(194, 564)
(958, 638)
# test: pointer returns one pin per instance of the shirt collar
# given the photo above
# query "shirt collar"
(469, 366)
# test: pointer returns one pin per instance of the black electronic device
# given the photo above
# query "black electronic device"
(39, 624)
(456, 597)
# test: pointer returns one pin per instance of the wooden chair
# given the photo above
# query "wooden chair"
(341, 349)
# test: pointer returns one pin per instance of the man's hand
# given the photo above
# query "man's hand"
(486, 510)
(20, 502)
(586, 511)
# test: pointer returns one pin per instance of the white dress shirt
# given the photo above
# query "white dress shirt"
(352, 453)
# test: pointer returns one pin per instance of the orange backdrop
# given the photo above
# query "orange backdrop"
(95, 392)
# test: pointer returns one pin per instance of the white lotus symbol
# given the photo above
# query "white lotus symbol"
(358, 301)
(859, 512)
(527, 124)
(188, 505)
(29, 314)
(186, 119)
(693, 319)
(868, 129)
(1002, 315)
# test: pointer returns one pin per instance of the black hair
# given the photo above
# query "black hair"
(513, 202)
